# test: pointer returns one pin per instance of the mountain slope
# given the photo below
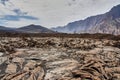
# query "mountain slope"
(6, 29)
(104, 23)
(34, 29)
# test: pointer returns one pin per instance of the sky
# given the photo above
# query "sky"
(50, 13)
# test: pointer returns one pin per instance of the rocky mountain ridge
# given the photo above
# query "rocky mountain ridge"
(105, 23)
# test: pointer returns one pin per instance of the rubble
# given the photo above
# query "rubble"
(59, 59)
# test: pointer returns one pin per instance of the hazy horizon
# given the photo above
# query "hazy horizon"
(18, 13)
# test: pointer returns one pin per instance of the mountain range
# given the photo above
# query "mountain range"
(108, 23)
(27, 29)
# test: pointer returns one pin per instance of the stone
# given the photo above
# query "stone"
(18, 60)
(11, 68)
(3, 59)
(67, 59)
(1, 53)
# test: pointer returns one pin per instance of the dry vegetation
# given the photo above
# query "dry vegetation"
(61, 35)
(59, 57)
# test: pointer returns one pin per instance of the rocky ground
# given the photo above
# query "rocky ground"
(59, 59)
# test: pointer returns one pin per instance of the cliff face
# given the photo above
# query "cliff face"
(104, 23)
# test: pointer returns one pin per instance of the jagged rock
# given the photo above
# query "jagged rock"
(11, 68)
(3, 59)
(1, 54)
(65, 66)
(18, 60)
(60, 59)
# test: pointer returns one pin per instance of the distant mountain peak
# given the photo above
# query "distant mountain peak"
(116, 8)
(33, 25)
(32, 28)
(115, 12)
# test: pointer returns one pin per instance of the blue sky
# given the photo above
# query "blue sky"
(50, 13)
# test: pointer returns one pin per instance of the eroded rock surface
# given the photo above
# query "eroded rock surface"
(59, 59)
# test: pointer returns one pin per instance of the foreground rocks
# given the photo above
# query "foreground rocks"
(59, 59)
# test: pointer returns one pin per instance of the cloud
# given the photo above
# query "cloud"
(19, 12)
(13, 16)
(4, 1)
(20, 23)
(16, 17)
(51, 13)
